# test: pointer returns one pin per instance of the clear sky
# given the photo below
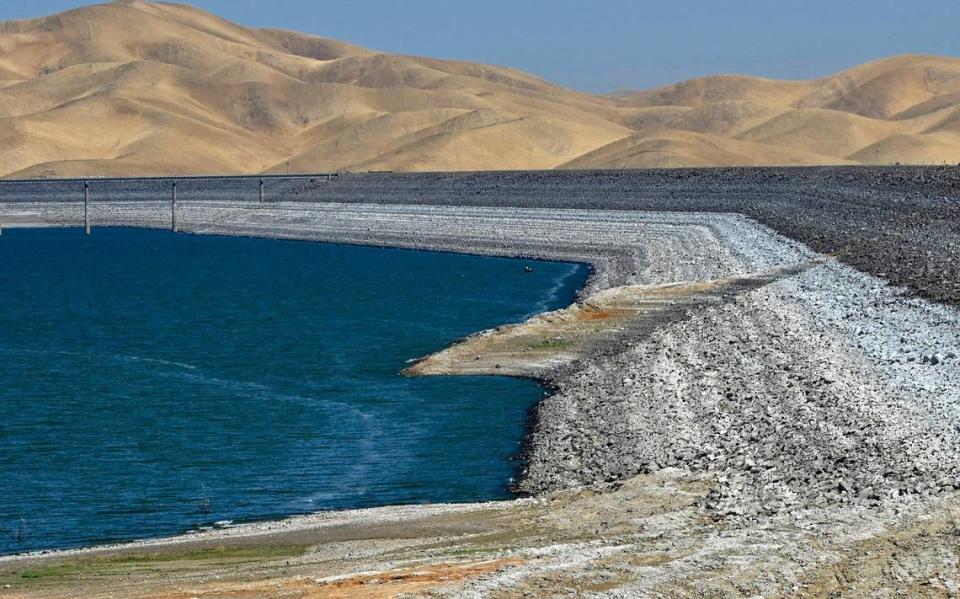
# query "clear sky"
(603, 45)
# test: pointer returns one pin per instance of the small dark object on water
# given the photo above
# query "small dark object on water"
(20, 534)
(527, 269)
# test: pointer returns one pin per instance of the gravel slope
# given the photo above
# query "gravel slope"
(816, 389)
(900, 223)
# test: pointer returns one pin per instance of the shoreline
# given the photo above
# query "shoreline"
(124, 219)
(252, 531)
(750, 400)
(558, 286)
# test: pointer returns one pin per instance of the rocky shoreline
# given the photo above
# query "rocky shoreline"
(627, 409)
(783, 384)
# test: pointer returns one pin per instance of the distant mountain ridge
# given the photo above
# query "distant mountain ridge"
(144, 88)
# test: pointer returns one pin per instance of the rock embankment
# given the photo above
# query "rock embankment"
(811, 391)
(898, 223)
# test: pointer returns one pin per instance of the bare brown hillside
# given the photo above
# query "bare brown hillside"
(152, 88)
(904, 109)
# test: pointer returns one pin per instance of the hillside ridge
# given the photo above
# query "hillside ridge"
(149, 88)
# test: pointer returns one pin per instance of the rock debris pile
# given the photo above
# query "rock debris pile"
(805, 393)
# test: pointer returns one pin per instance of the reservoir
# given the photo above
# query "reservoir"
(153, 383)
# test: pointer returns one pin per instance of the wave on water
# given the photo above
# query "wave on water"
(265, 392)
(553, 294)
(242, 388)
(116, 357)
(182, 365)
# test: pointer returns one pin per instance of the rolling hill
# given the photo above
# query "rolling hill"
(138, 88)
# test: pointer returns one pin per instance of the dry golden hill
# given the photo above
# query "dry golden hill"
(137, 87)
(904, 109)
(133, 88)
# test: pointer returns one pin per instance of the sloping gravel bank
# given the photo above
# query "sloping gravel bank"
(899, 223)
(623, 247)
(826, 387)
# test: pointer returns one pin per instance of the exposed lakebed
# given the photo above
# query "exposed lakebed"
(151, 383)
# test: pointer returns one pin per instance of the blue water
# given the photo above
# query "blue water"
(151, 383)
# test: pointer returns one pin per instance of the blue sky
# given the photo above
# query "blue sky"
(604, 45)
